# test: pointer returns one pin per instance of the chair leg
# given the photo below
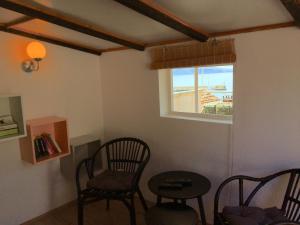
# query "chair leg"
(202, 212)
(107, 204)
(132, 212)
(79, 212)
(142, 199)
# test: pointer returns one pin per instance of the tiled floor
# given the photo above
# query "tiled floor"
(95, 214)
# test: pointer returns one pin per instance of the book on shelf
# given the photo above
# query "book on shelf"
(6, 119)
(50, 147)
(45, 145)
(7, 126)
(40, 146)
(9, 132)
(53, 142)
(38, 154)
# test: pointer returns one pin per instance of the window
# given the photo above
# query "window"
(202, 92)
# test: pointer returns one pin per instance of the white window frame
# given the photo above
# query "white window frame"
(170, 113)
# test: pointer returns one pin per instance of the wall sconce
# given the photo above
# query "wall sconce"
(36, 51)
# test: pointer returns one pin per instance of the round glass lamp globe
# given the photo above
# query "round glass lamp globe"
(36, 50)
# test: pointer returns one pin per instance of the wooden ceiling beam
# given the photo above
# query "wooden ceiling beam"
(214, 34)
(293, 6)
(254, 29)
(51, 40)
(17, 21)
(54, 17)
(160, 14)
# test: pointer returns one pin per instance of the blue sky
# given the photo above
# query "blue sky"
(208, 76)
(206, 70)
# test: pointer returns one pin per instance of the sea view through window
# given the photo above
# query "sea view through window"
(205, 90)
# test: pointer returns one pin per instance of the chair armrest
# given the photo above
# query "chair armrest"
(87, 163)
(138, 173)
(238, 178)
(260, 182)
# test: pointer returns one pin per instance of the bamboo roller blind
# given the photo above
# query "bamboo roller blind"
(198, 54)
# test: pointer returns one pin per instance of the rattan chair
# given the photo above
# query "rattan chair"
(126, 160)
(290, 204)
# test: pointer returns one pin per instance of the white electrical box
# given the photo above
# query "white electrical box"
(81, 147)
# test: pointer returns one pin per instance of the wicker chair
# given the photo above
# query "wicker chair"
(290, 205)
(126, 160)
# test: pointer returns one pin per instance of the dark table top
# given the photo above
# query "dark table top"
(200, 185)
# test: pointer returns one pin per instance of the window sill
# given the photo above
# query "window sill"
(199, 117)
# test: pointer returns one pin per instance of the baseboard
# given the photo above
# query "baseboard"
(60, 208)
(49, 212)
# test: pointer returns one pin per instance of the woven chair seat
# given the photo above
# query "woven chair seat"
(111, 181)
(253, 215)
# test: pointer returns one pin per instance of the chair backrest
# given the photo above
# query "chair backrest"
(291, 201)
(126, 154)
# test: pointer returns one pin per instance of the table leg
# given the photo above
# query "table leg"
(202, 212)
(158, 200)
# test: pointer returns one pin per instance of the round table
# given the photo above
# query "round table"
(171, 214)
(199, 186)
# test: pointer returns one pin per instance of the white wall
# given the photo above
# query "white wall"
(68, 85)
(266, 126)
(267, 122)
(131, 108)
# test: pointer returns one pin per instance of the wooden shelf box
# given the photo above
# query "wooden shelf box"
(57, 127)
(12, 105)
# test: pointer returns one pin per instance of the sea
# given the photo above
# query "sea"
(217, 79)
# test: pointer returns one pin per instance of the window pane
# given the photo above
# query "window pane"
(215, 90)
(183, 89)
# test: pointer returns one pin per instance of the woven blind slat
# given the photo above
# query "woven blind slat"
(199, 54)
